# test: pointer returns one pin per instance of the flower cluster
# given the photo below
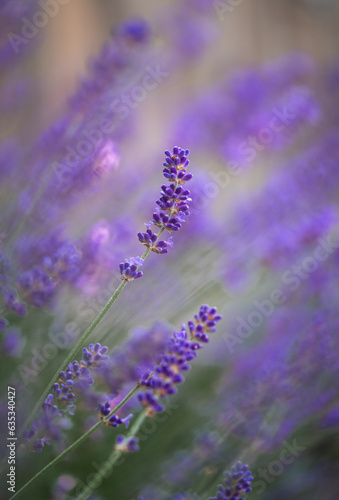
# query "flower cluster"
(236, 484)
(114, 420)
(48, 427)
(78, 376)
(180, 351)
(37, 285)
(129, 269)
(94, 356)
(234, 112)
(149, 239)
(173, 202)
(205, 322)
(12, 302)
(171, 211)
(75, 380)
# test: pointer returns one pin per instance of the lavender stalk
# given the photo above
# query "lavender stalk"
(236, 483)
(76, 443)
(124, 444)
(182, 348)
(172, 209)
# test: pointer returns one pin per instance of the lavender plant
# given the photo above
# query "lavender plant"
(97, 396)
(236, 484)
(173, 208)
(160, 382)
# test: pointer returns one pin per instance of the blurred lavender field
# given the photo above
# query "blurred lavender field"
(91, 96)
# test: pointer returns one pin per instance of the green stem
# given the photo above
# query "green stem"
(75, 444)
(73, 351)
(102, 472)
(137, 424)
(81, 342)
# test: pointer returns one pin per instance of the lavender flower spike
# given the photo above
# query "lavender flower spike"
(172, 208)
(175, 360)
(236, 484)
(173, 204)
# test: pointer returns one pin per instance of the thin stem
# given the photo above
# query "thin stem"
(81, 341)
(126, 398)
(108, 464)
(73, 351)
(75, 444)
(57, 459)
(102, 472)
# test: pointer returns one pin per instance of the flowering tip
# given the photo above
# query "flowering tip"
(236, 483)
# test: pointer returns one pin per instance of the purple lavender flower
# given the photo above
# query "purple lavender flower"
(126, 445)
(114, 420)
(173, 202)
(169, 223)
(149, 239)
(64, 393)
(175, 360)
(236, 483)
(74, 381)
(94, 356)
(37, 285)
(47, 428)
(149, 401)
(172, 209)
(229, 119)
(205, 322)
(104, 409)
(129, 269)
(77, 379)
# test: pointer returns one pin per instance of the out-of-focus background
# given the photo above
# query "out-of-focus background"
(250, 32)
(251, 88)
